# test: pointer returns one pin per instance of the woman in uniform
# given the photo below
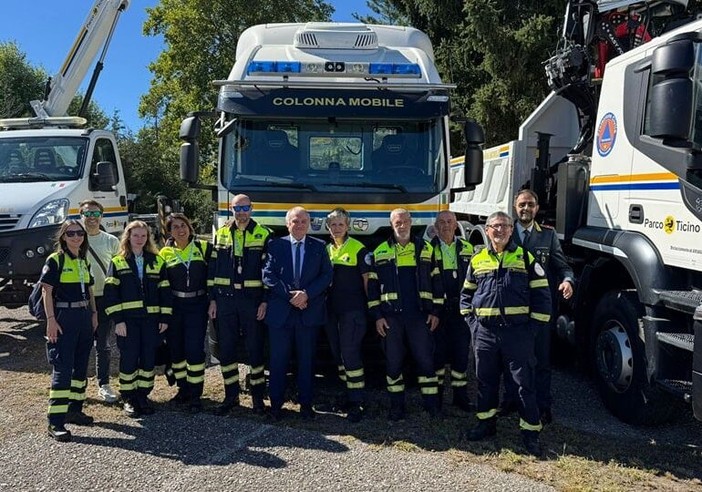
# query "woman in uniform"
(71, 319)
(346, 321)
(138, 301)
(186, 260)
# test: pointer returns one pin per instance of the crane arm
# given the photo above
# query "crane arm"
(95, 32)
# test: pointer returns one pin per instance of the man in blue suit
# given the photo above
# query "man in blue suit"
(297, 272)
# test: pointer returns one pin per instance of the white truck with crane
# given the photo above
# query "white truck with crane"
(615, 155)
(49, 163)
(332, 114)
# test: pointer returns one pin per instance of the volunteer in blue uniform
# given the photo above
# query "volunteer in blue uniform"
(452, 337)
(405, 297)
(347, 304)
(138, 301)
(505, 299)
(186, 260)
(238, 301)
(543, 243)
(71, 321)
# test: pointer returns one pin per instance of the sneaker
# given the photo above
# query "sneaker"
(79, 418)
(59, 433)
(131, 409)
(107, 394)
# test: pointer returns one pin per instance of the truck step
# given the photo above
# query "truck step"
(681, 300)
(678, 387)
(685, 341)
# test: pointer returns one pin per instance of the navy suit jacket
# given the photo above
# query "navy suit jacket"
(278, 276)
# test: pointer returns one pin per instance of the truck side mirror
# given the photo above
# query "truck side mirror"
(105, 176)
(190, 149)
(670, 104)
(473, 164)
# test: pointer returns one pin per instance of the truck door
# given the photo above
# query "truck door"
(115, 202)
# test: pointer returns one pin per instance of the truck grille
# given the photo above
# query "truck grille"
(4, 255)
(8, 222)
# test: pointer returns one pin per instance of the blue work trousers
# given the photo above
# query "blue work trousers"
(345, 332)
(185, 337)
(236, 321)
(507, 349)
(138, 356)
(69, 357)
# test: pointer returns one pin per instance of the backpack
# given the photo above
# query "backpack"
(36, 304)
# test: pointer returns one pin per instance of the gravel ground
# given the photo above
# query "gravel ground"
(172, 450)
(238, 455)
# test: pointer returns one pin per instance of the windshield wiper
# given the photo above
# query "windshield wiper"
(276, 184)
(365, 184)
(33, 176)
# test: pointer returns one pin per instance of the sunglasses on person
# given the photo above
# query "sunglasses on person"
(241, 208)
(75, 233)
(91, 213)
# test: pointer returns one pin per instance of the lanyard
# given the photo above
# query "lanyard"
(238, 260)
(186, 264)
(450, 255)
(81, 275)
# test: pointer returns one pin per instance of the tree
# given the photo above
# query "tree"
(200, 38)
(19, 82)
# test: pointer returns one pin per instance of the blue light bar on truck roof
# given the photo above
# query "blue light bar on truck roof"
(334, 69)
(393, 69)
(274, 67)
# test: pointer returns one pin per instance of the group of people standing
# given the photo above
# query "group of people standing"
(427, 298)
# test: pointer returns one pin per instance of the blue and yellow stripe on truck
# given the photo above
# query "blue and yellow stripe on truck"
(368, 211)
(629, 182)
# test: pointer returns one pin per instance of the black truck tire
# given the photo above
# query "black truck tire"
(619, 358)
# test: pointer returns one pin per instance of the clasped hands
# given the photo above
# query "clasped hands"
(298, 298)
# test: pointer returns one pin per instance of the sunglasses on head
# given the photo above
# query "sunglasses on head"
(91, 213)
(75, 233)
(241, 208)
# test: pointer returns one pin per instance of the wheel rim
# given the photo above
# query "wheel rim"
(615, 359)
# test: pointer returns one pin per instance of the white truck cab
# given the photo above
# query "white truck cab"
(43, 177)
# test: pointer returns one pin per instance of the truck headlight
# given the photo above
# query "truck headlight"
(52, 213)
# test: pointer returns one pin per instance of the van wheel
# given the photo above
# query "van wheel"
(620, 362)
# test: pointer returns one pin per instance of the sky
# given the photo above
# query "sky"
(45, 30)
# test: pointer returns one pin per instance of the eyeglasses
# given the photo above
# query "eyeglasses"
(75, 233)
(499, 227)
(91, 213)
(241, 208)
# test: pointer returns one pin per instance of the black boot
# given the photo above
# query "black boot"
(181, 397)
(461, 400)
(259, 408)
(145, 406)
(397, 410)
(229, 403)
(485, 428)
(531, 443)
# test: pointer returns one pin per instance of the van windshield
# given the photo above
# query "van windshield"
(35, 159)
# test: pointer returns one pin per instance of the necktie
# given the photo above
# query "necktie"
(297, 264)
(526, 237)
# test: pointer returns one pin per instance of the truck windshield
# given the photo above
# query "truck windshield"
(34, 159)
(330, 156)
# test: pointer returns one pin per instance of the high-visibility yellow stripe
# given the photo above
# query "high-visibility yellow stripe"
(511, 310)
(538, 283)
(55, 409)
(166, 310)
(486, 415)
(544, 318)
(358, 385)
(524, 425)
(57, 394)
(233, 365)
